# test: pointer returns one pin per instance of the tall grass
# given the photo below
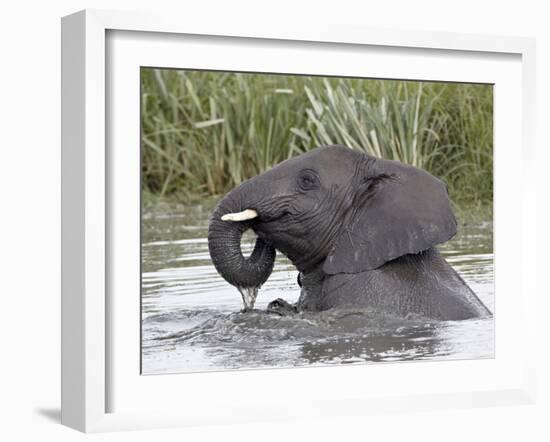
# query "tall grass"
(396, 125)
(205, 132)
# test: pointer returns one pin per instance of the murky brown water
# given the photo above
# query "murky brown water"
(191, 318)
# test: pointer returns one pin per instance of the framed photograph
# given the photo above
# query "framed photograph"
(262, 223)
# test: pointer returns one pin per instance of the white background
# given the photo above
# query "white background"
(30, 221)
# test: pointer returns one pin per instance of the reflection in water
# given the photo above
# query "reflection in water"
(191, 317)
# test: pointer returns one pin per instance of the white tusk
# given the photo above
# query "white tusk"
(241, 216)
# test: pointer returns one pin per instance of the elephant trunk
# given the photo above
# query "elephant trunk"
(224, 244)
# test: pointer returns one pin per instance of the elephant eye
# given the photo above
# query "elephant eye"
(307, 180)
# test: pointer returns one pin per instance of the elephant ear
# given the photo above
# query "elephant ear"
(398, 210)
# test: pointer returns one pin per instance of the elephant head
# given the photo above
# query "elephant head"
(332, 208)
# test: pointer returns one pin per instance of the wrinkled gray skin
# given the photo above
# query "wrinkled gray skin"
(361, 231)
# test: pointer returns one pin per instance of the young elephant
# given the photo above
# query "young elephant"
(360, 230)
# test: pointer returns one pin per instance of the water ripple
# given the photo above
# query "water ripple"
(191, 317)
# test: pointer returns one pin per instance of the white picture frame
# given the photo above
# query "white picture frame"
(88, 317)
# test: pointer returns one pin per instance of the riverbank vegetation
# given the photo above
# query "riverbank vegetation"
(203, 133)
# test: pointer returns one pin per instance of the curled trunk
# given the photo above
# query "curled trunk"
(224, 244)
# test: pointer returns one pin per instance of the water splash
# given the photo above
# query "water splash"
(249, 295)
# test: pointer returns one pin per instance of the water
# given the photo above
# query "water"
(191, 318)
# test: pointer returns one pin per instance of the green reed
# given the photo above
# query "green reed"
(203, 133)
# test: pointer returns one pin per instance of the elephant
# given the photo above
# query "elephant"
(362, 231)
